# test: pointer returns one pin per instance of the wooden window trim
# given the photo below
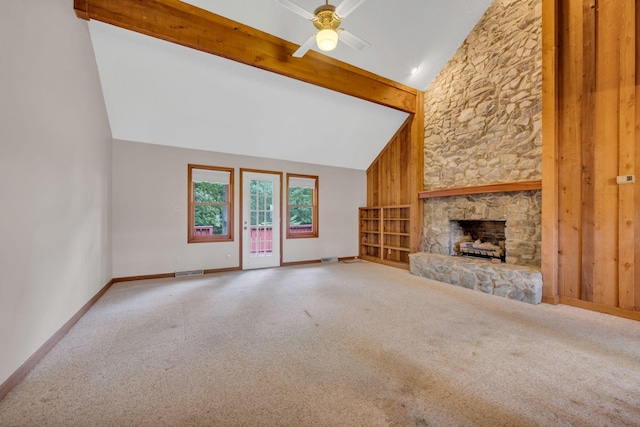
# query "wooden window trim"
(314, 233)
(191, 237)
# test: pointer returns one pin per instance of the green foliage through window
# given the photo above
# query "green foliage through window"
(211, 204)
(300, 206)
(210, 209)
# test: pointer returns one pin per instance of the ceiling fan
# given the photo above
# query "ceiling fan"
(327, 19)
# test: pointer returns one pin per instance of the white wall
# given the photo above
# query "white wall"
(55, 175)
(150, 210)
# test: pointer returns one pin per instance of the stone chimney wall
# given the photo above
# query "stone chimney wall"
(483, 111)
(483, 120)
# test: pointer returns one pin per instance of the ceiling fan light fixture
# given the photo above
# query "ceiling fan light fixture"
(327, 39)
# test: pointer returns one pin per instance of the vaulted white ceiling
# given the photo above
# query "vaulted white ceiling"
(161, 93)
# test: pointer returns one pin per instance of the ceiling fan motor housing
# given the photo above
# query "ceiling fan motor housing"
(326, 18)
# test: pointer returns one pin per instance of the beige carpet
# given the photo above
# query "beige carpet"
(331, 345)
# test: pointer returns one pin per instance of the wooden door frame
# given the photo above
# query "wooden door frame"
(242, 171)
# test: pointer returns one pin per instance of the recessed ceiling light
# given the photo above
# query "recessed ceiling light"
(414, 70)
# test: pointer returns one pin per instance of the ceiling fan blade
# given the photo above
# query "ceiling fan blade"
(296, 9)
(347, 6)
(352, 40)
(304, 48)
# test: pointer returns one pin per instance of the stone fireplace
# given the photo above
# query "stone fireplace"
(520, 212)
(514, 216)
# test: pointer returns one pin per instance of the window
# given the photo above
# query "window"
(302, 206)
(210, 204)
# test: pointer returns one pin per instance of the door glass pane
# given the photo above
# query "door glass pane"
(260, 214)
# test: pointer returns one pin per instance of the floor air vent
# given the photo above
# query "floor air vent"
(329, 259)
(189, 273)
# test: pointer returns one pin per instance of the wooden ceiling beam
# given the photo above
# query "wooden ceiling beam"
(190, 26)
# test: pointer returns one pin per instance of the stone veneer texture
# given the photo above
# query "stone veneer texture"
(483, 111)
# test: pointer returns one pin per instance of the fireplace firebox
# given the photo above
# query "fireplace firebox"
(478, 239)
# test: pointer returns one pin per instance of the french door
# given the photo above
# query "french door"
(260, 219)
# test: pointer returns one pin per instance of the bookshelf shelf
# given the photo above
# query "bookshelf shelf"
(384, 234)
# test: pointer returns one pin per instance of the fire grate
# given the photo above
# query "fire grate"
(482, 250)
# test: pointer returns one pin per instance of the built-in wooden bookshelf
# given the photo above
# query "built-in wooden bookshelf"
(385, 234)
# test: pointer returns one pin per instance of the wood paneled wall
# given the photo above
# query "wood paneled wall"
(590, 136)
(396, 176)
(388, 175)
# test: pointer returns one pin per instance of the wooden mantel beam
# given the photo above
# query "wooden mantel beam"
(482, 189)
(190, 26)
